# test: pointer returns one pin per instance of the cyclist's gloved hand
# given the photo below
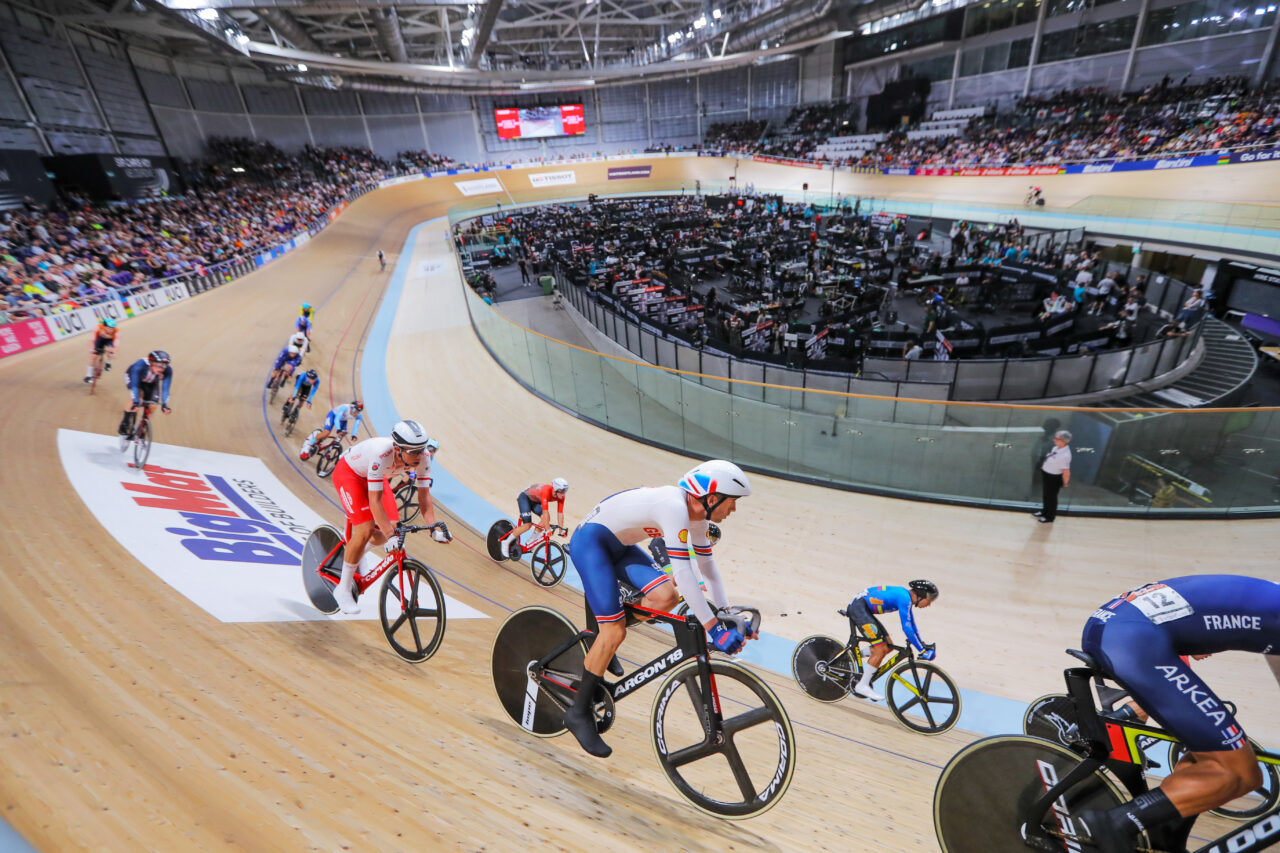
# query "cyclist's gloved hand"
(930, 652)
(166, 409)
(727, 640)
(394, 543)
(441, 533)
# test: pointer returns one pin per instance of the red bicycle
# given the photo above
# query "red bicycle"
(547, 559)
(411, 604)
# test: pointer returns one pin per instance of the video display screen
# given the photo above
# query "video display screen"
(538, 122)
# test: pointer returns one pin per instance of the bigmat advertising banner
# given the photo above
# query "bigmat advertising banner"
(218, 528)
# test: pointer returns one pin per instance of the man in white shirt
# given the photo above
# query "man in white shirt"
(1055, 474)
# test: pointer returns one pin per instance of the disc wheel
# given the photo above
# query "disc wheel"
(922, 697)
(548, 564)
(745, 770)
(493, 541)
(823, 669)
(412, 610)
(321, 544)
(327, 458)
(981, 797)
(535, 698)
(142, 445)
(407, 500)
(1252, 804)
(1052, 717)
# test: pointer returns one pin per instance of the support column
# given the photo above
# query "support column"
(88, 85)
(1264, 66)
(26, 104)
(955, 76)
(1137, 38)
(1035, 46)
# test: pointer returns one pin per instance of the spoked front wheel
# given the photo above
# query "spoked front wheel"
(823, 668)
(407, 500)
(142, 445)
(986, 791)
(740, 771)
(412, 611)
(535, 698)
(922, 697)
(548, 564)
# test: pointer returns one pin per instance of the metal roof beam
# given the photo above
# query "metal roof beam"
(483, 30)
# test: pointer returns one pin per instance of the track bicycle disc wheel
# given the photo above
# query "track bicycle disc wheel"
(822, 668)
(412, 610)
(981, 798)
(922, 697)
(319, 545)
(536, 700)
(493, 542)
(142, 445)
(743, 770)
(548, 564)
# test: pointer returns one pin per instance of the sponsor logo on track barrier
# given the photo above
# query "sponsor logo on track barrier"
(479, 187)
(218, 528)
(623, 173)
(553, 179)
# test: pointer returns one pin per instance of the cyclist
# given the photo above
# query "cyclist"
(605, 550)
(1138, 638)
(289, 358)
(104, 344)
(337, 417)
(361, 477)
(382, 259)
(305, 316)
(148, 380)
(877, 600)
(299, 340)
(530, 502)
(304, 390)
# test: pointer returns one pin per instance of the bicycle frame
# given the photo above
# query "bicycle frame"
(897, 653)
(363, 582)
(1113, 744)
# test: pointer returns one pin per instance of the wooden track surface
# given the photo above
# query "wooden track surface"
(133, 720)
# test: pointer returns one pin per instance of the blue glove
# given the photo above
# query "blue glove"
(727, 640)
(929, 653)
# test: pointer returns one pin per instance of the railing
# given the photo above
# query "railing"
(954, 452)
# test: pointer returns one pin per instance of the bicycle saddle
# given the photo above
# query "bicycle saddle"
(1085, 659)
(842, 612)
(1107, 695)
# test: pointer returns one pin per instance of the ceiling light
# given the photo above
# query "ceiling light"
(716, 13)
(241, 38)
(302, 66)
(700, 23)
(208, 14)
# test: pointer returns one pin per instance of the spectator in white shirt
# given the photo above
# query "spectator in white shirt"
(1055, 474)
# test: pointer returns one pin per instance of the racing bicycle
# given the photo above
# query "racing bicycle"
(547, 558)
(920, 694)
(139, 438)
(327, 453)
(410, 605)
(99, 363)
(1016, 792)
(720, 734)
(1053, 717)
(289, 416)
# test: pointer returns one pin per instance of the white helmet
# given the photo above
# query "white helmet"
(433, 445)
(560, 484)
(409, 435)
(293, 350)
(716, 477)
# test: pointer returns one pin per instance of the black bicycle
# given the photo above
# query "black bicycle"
(139, 436)
(1053, 717)
(289, 415)
(920, 694)
(720, 734)
(1016, 792)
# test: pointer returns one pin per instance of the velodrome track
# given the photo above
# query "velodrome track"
(133, 719)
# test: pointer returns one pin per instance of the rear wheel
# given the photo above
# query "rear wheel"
(535, 698)
(412, 611)
(823, 668)
(922, 697)
(981, 802)
(142, 445)
(743, 770)
(322, 566)
(548, 564)
(1052, 717)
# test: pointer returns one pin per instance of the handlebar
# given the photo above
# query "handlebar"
(439, 527)
(745, 619)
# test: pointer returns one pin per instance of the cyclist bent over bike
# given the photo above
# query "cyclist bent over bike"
(148, 380)
(887, 599)
(304, 390)
(105, 340)
(361, 477)
(530, 503)
(605, 550)
(1138, 639)
(337, 417)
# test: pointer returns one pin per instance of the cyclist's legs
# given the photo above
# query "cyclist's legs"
(528, 509)
(318, 435)
(862, 620)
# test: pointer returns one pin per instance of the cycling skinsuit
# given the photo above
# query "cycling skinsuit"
(284, 358)
(304, 325)
(364, 469)
(304, 390)
(338, 417)
(105, 337)
(533, 499)
(145, 385)
(879, 600)
(1138, 638)
(603, 548)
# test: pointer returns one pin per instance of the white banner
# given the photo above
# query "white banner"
(142, 301)
(403, 179)
(553, 179)
(218, 528)
(479, 187)
(81, 320)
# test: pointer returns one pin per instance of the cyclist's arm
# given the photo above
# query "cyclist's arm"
(908, 620)
(708, 569)
(132, 382)
(315, 386)
(164, 386)
(560, 513)
(297, 384)
(355, 424)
